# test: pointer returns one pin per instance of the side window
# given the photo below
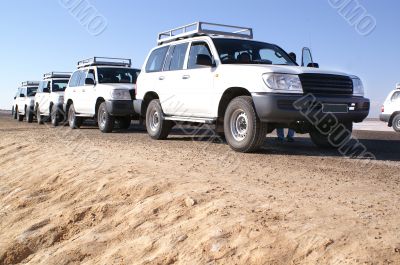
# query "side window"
(46, 86)
(23, 91)
(40, 88)
(82, 78)
(91, 74)
(197, 49)
(73, 82)
(396, 96)
(177, 58)
(156, 60)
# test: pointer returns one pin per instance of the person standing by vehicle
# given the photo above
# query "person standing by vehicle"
(281, 135)
(280, 131)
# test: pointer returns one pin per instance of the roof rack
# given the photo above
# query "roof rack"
(57, 75)
(204, 28)
(30, 83)
(105, 61)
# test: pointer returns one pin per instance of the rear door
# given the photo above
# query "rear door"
(172, 86)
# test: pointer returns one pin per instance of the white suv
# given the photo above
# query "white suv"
(102, 89)
(49, 98)
(216, 74)
(24, 101)
(391, 109)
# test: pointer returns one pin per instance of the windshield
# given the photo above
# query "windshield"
(234, 51)
(31, 91)
(117, 75)
(59, 85)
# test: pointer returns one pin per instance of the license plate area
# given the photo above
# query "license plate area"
(335, 108)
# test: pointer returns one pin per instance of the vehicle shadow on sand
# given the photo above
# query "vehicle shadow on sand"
(382, 149)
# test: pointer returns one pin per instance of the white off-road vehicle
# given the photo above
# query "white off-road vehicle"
(102, 89)
(49, 98)
(391, 109)
(24, 101)
(217, 74)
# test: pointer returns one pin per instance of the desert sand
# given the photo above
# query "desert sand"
(82, 197)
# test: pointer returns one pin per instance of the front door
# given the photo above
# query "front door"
(197, 83)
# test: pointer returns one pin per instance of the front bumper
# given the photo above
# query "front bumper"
(120, 107)
(280, 108)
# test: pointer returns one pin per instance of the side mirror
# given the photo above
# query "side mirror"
(89, 82)
(307, 59)
(204, 60)
(313, 65)
(15, 97)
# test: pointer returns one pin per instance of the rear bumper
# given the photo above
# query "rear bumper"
(289, 108)
(385, 117)
(120, 107)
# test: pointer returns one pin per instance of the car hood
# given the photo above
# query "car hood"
(116, 86)
(283, 69)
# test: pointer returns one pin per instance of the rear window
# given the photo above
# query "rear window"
(156, 60)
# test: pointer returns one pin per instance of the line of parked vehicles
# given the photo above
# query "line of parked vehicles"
(201, 73)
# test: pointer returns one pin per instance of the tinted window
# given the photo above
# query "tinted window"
(31, 91)
(74, 79)
(59, 85)
(177, 58)
(117, 75)
(234, 51)
(156, 60)
(195, 50)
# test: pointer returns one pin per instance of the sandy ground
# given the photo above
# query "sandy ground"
(82, 197)
(373, 125)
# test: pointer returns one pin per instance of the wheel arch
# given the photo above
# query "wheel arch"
(148, 97)
(228, 96)
(392, 117)
(99, 100)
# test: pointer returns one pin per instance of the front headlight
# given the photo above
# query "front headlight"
(283, 82)
(358, 87)
(120, 94)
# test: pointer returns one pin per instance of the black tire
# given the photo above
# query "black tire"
(12, 112)
(54, 116)
(322, 140)
(29, 115)
(19, 116)
(39, 117)
(396, 123)
(157, 127)
(104, 119)
(123, 123)
(74, 121)
(252, 132)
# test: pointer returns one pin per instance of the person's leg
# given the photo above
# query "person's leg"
(290, 135)
(281, 133)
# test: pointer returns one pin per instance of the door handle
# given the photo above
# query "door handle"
(83, 90)
(161, 78)
(186, 77)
